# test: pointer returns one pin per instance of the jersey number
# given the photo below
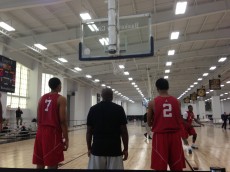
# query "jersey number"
(48, 104)
(167, 110)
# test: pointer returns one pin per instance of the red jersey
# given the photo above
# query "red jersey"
(48, 112)
(166, 115)
(190, 117)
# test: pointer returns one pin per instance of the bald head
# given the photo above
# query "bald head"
(107, 94)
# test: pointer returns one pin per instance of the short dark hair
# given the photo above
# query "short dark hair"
(190, 106)
(107, 94)
(162, 84)
(54, 83)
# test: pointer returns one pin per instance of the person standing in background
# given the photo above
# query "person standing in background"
(224, 118)
(19, 115)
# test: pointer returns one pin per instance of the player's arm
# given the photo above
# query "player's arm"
(38, 111)
(89, 131)
(125, 140)
(63, 120)
(89, 136)
(150, 115)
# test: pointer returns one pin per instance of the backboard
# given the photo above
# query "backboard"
(134, 39)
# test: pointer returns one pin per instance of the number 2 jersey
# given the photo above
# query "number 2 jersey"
(166, 115)
(48, 111)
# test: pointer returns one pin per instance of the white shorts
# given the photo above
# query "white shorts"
(105, 162)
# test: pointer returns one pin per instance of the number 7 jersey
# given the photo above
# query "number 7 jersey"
(166, 115)
(48, 111)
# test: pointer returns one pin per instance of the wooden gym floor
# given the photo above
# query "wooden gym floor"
(213, 142)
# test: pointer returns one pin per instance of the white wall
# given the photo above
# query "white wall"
(34, 89)
(135, 109)
(226, 106)
(3, 100)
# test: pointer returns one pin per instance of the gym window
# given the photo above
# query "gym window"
(45, 87)
(20, 96)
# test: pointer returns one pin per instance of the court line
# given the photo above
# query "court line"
(72, 160)
(189, 165)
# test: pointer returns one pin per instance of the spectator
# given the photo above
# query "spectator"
(19, 116)
(224, 117)
(106, 124)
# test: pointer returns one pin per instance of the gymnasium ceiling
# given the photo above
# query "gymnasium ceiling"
(204, 38)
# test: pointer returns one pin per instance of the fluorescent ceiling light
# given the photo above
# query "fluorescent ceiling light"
(78, 69)
(174, 35)
(6, 27)
(205, 74)
(191, 86)
(62, 60)
(85, 16)
(168, 63)
(167, 71)
(211, 90)
(228, 82)
(116, 92)
(108, 87)
(88, 76)
(189, 89)
(166, 77)
(121, 66)
(171, 52)
(96, 80)
(126, 73)
(133, 83)
(222, 85)
(225, 93)
(93, 27)
(57, 61)
(104, 41)
(130, 79)
(40, 46)
(113, 89)
(181, 7)
(135, 86)
(212, 68)
(222, 59)
(103, 85)
(195, 83)
(199, 79)
(207, 92)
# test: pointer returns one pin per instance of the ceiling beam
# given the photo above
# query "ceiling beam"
(157, 19)
(9, 5)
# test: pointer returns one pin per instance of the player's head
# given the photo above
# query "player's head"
(162, 84)
(107, 94)
(55, 84)
(190, 108)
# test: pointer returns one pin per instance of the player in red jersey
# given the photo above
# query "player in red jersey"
(52, 135)
(188, 118)
(164, 116)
